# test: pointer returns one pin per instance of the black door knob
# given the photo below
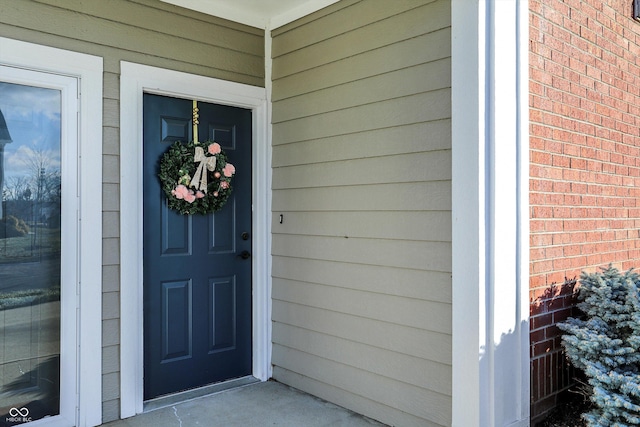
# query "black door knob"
(244, 255)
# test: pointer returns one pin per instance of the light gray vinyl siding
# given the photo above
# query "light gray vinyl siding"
(143, 31)
(362, 179)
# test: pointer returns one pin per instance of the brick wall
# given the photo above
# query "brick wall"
(585, 165)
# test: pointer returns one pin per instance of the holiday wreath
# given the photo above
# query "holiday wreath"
(196, 177)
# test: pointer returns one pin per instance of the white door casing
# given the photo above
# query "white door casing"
(135, 80)
(79, 78)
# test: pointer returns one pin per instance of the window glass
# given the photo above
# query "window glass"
(30, 171)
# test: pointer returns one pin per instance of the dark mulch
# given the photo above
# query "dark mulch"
(568, 413)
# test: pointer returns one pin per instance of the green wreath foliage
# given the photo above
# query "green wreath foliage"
(177, 169)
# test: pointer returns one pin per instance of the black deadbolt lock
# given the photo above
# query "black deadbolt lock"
(244, 235)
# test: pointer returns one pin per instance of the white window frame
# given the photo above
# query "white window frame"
(135, 80)
(79, 77)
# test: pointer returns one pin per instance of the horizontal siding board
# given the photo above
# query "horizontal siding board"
(418, 401)
(110, 197)
(307, 19)
(408, 283)
(414, 23)
(428, 315)
(110, 359)
(111, 86)
(154, 16)
(110, 141)
(411, 370)
(415, 342)
(434, 256)
(32, 35)
(362, 181)
(193, 68)
(382, 197)
(429, 106)
(396, 84)
(343, 21)
(51, 20)
(386, 414)
(432, 226)
(111, 113)
(113, 55)
(194, 14)
(414, 167)
(110, 173)
(419, 50)
(413, 138)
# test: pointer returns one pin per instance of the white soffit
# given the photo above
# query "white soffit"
(256, 13)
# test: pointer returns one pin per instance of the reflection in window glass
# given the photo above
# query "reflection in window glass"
(30, 139)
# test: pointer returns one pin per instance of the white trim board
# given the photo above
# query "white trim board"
(262, 14)
(85, 215)
(135, 80)
(490, 146)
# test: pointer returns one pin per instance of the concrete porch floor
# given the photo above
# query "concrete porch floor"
(261, 404)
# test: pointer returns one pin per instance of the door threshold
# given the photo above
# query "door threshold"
(183, 396)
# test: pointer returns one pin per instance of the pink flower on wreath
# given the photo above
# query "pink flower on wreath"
(199, 194)
(229, 170)
(190, 198)
(214, 148)
(180, 191)
(217, 174)
(224, 185)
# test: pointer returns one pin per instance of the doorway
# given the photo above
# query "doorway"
(197, 272)
(137, 79)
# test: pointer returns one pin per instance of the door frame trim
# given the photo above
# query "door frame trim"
(136, 79)
(87, 70)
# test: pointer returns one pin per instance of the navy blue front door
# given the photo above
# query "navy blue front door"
(197, 274)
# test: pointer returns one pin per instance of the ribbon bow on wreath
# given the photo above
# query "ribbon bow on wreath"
(199, 180)
(202, 166)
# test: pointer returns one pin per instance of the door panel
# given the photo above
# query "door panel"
(222, 230)
(176, 320)
(176, 232)
(197, 289)
(222, 324)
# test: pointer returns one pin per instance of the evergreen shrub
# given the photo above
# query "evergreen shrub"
(10, 226)
(605, 345)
